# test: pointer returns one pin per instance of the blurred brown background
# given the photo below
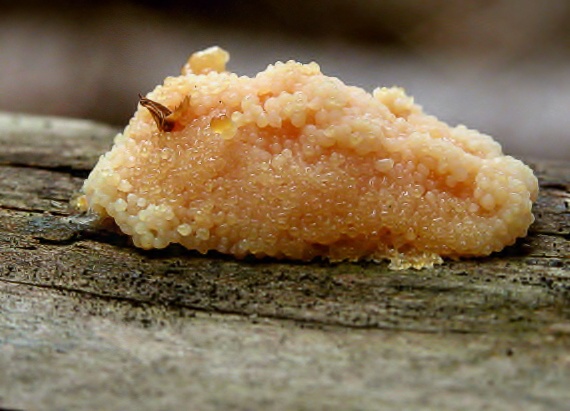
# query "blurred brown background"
(500, 66)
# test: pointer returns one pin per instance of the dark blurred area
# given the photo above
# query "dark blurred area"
(500, 66)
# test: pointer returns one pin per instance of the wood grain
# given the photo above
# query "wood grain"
(462, 313)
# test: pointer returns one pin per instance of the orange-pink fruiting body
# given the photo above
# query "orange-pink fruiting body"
(295, 164)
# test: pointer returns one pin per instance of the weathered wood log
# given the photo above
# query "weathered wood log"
(483, 332)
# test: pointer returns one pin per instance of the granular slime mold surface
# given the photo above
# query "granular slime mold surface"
(295, 164)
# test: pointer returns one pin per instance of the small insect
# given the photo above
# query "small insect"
(165, 119)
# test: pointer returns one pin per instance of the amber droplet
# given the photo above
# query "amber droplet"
(79, 202)
(224, 126)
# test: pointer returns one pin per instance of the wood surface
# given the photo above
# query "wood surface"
(87, 321)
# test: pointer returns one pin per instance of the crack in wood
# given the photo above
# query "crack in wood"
(220, 311)
(68, 170)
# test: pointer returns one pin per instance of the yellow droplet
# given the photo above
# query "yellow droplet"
(223, 126)
(79, 202)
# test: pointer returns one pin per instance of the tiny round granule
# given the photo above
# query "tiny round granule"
(294, 164)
